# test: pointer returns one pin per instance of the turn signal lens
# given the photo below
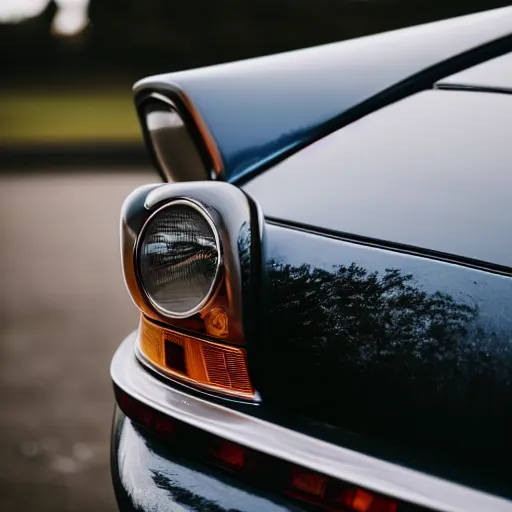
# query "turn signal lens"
(308, 482)
(364, 501)
(209, 365)
(230, 455)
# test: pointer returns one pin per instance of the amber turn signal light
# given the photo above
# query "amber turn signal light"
(201, 363)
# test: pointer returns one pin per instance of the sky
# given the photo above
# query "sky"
(70, 19)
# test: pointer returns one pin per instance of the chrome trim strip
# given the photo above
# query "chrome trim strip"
(162, 98)
(336, 461)
(136, 264)
(472, 88)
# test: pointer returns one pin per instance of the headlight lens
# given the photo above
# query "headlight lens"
(178, 258)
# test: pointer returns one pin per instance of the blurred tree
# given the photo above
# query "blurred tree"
(131, 38)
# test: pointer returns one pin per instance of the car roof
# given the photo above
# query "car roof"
(255, 112)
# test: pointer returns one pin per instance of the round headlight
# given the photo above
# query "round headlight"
(178, 258)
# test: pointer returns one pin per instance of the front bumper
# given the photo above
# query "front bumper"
(148, 477)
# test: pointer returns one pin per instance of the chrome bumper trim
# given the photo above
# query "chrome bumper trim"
(336, 461)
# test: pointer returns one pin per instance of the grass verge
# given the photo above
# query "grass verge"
(34, 117)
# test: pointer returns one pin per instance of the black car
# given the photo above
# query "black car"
(326, 285)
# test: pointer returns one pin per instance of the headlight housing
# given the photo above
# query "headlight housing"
(178, 257)
(192, 258)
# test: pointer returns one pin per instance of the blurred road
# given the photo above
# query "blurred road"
(63, 311)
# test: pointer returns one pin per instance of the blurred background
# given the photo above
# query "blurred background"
(70, 151)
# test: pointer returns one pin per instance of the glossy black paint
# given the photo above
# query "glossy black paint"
(408, 351)
(150, 476)
(431, 173)
(251, 113)
(494, 75)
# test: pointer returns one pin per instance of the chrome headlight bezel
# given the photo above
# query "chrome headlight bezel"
(218, 268)
(239, 225)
